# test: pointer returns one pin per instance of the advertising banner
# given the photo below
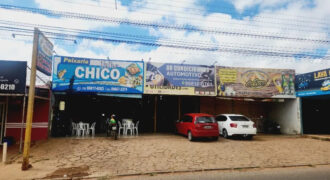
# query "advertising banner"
(12, 77)
(179, 79)
(314, 83)
(44, 54)
(74, 74)
(259, 83)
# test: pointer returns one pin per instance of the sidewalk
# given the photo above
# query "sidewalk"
(324, 137)
(101, 156)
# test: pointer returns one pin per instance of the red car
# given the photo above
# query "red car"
(196, 125)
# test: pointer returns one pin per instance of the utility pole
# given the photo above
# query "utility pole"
(29, 117)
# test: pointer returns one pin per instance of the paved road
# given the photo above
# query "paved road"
(292, 173)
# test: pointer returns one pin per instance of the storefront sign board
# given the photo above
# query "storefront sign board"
(73, 74)
(252, 82)
(179, 79)
(12, 77)
(313, 83)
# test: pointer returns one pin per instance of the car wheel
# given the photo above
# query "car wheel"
(190, 137)
(225, 134)
(215, 138)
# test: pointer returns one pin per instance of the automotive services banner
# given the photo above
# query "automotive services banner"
(12, 77)
(313, 83)
(259, 83)
(179, 79)
(96, 75)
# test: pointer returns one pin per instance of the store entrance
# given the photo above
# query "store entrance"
(167, 113)
(94, 108)
(315, 115)
(171, 108)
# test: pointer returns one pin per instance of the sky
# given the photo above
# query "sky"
(229, 27)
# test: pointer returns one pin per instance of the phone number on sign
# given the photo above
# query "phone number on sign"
(7, 87)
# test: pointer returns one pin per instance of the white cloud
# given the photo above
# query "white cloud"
(287, 21)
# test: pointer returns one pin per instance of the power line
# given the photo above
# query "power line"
(138, 37)
(142, 38)
(301, 27)
(38, 76)
(183, 46)
(153, 25)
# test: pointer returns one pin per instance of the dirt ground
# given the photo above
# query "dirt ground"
(101, 156)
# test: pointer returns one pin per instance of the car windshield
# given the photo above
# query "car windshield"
(205, 119)
(239, 118)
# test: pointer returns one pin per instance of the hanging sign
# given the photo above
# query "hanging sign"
(44, 54)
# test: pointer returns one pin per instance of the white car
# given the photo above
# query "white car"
(235, 124)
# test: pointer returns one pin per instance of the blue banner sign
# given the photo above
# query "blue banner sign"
(12, 77)
(313, 83)
(72, 74)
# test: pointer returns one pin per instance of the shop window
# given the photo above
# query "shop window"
(221, 118)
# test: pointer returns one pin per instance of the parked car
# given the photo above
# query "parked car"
(194, 125)
(235, 124)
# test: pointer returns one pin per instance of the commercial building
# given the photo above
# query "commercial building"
(158, 94)
(313, 90)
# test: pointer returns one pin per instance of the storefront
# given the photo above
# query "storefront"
(260, 94)
(12, 88)
(175, 89)
(13, 103)
(313, 90)
(158, 94)
(90, 90)
(17, 106)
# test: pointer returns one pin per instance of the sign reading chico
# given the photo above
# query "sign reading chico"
(96, 75)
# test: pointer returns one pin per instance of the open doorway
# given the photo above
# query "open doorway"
(315, 114)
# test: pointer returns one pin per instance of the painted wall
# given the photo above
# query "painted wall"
(287, 115)
(39, 122)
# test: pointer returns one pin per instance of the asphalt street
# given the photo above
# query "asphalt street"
(292, 173)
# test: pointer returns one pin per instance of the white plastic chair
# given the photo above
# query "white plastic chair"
(135, 128)
(80, 128)
(129, 126)
(92, 128)
(120, 128)
(74, 128)
(86, 127)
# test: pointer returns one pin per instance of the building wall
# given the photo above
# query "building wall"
(287, 115)
(39, 122)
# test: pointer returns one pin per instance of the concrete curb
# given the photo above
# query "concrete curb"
(189, 171)
(323, 138)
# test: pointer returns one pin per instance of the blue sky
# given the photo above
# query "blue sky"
(292, 18)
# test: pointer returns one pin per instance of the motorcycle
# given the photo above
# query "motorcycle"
(272, 127)
(112, 131)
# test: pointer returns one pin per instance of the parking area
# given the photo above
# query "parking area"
(102, 156)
